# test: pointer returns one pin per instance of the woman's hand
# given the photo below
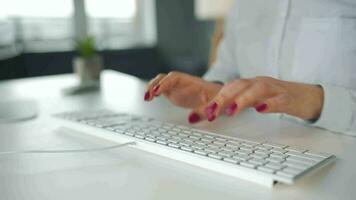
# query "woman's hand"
(267, 95)
(184, 90)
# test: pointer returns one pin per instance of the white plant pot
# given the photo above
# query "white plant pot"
(88, 69)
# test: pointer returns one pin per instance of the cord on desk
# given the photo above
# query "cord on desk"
(6, 153)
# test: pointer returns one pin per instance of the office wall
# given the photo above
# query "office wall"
(183, 41)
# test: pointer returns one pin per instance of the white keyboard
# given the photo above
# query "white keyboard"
(264, 163)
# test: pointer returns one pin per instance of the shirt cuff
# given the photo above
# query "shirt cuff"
(337, 112)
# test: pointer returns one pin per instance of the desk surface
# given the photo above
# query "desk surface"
(128, 173)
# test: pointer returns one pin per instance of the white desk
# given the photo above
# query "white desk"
(132, 174)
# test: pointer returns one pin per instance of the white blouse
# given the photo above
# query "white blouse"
(309, 41)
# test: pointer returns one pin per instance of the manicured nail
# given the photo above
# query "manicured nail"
(155, 89)
(211, 109)
(231, 109)
(147, 96)
(193, 118)
(211, 117)
(261, 107)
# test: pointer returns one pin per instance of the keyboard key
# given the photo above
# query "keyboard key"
(231, 160)
(259, 155)
(139, 136)
(216, 156)
(278, 150)
(185, 148)
(257, 161)
(212, 150)
(243, 152)
(304, 156)
(275, 160)
(243, 147)
(198, 146)
(150, 139)
(229, 148)
(232, 144)
(194, 137)
(162, 142)
(201, 152)
(174, 145)
(172, 140)
(275, 166)
(296, 149)
(130, 133)
(241, 157)
(321, 155)
(248, 164)
(274, 145)
(266, 148)
(296, 165)
(185, 143)
(300, 160)
(226, 153)
(266, 169)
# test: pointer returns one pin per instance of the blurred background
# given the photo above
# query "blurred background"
(137, 37)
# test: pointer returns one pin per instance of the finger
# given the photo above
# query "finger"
(151, 87)
(253, 96)
(277, 104)
(168, 82)
(226, 97)
(197, 115)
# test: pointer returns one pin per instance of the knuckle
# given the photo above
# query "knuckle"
(263, 78)
(243, 82)
(262, 86)
(173, 73)
(237, 82)
(245, 99)
(230, 83)
(160, 75)
(283, 100)
(222, 98)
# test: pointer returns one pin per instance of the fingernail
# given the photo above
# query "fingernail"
(230, 110)
(147, 96)
(211, 117)
(193, 118)
(261, 107)
(155, 89)
(211, 109)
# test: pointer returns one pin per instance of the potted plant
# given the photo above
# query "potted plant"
(87, 64)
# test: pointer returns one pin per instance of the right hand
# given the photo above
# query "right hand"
(185, 91)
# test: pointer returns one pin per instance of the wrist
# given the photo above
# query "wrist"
(318, 99)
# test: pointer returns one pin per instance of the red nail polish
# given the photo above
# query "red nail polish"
(155, 89)
(211, 117)
(211, 109)
(147, 96)
(193, 118)
(230, 110)
(261, 107)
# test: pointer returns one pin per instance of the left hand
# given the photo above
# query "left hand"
(267, 95)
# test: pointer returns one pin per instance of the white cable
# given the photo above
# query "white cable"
(5, 153)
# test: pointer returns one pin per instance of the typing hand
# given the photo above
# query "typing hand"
(184, 90)
(267, 95)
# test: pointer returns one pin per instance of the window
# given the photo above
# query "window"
(50, 25)
(112, 22)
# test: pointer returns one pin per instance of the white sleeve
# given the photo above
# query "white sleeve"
(339, 110)
(224, 68)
